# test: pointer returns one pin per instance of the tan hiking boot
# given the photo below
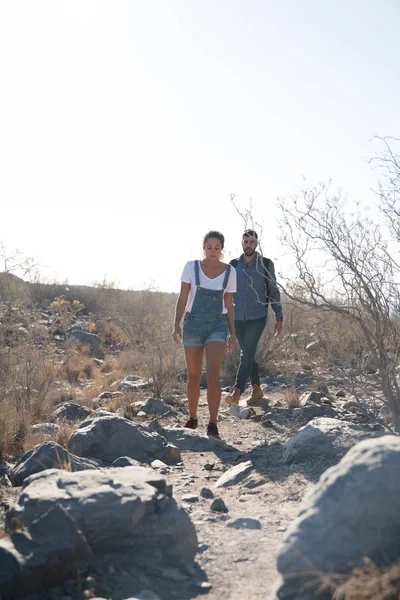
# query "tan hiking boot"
(256, 395)
(233, 398)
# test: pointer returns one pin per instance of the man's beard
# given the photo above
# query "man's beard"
(249, 251)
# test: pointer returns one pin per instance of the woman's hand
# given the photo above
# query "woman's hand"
(231, 344)
(177, 334)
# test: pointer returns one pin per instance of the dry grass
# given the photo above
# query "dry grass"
(369, 582)
(126, 403)
(76, 365)
(64, 433)
(291, 398)
(112, 333)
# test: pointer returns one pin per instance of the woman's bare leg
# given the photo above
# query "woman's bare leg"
(194, 365)
(214, 355)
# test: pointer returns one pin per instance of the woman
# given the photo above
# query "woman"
(207, 289)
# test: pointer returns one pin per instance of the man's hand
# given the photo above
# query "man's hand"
(177, 334)
(231, 344)
(278, 328)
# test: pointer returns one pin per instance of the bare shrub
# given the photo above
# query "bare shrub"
(14, 267)
(344, 267)
(145, 318)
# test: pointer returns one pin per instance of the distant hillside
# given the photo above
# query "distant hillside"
(13, 288)
(93, 297)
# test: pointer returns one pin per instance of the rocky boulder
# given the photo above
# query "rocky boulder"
(33, 559)
(130, 510)
(352, 513)
(323, 437)
(48, 455)
(81, 337)
(109, 438)
(157, 406)
(70, 411)
(188, 439)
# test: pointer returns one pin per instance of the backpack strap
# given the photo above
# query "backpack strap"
(266, 263)
(226, 278)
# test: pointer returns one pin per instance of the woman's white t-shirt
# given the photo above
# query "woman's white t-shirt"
(188, 276)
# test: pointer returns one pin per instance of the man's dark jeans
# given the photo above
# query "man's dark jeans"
(248, 334)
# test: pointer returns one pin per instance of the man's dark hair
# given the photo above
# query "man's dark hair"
(250, 233)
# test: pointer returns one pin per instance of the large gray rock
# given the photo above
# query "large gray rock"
(84, 338)
(47, 455)
(188, 439)
(312, 411)
(109, 438)
(116, 509)
(353, 512)
(33, 559)
(70, 411)
(156, 406)
(322, 437)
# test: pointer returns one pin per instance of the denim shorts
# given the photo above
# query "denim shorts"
(201, 330)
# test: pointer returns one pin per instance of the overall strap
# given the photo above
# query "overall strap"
(226, 278)
(197, 272)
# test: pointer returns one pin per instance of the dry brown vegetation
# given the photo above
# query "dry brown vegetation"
(369, 582)
(39, 372)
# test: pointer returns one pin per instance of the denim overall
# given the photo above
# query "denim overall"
(206, 323)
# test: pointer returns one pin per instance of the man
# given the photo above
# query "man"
(256, 288)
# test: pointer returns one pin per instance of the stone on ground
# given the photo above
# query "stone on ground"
(109, 438)
(235, 474)
(323, 437)
(48, 455)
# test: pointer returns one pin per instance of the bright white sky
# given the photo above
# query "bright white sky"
(126, 125)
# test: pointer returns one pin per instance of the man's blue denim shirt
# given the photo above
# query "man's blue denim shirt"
(255, 290)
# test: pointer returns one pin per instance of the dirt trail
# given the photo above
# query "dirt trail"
(240, 563)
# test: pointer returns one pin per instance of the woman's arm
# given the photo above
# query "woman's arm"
(230, 317)
(179, 310)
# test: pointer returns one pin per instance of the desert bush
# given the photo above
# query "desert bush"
(345, 267)
(64, 311)
(145, 319)
(111, 333)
